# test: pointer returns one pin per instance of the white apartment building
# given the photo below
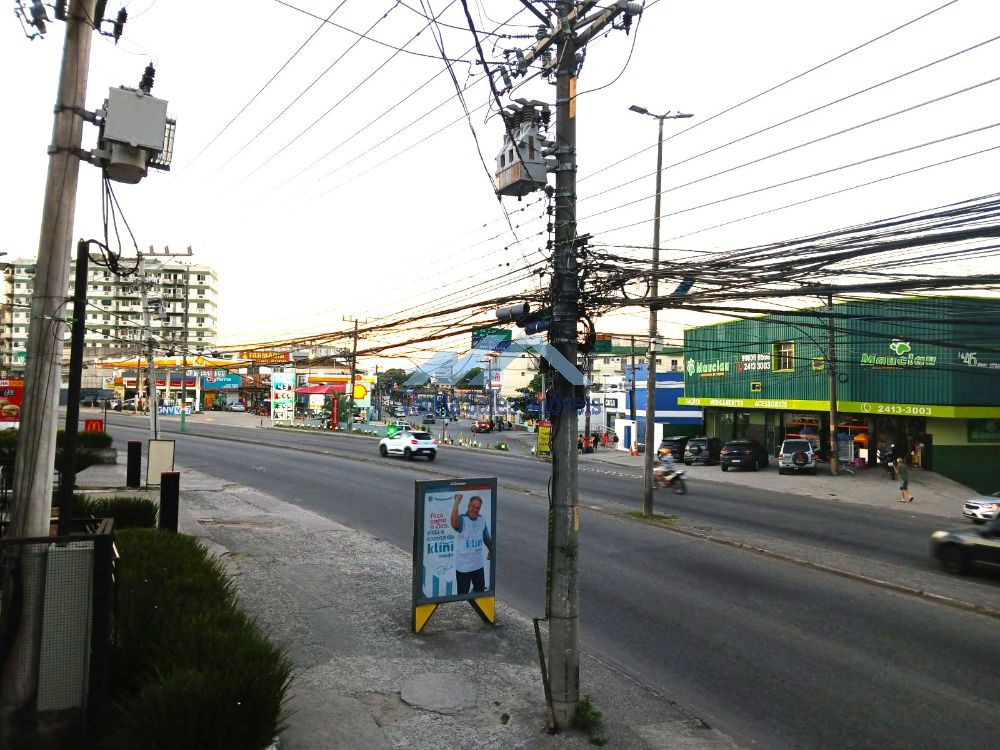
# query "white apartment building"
(188, 317)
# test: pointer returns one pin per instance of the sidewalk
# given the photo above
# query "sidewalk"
(338, 600)
(934, 494)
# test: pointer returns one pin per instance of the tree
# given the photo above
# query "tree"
(392, 378)
(468, 377)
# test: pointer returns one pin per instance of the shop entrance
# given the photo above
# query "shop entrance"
(906, 434)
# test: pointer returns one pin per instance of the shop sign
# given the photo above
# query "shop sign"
(265, 357)
(221, 382)
(610, 403)
(850, 407)
(971, 359)
(753, 362)
(11, 393)
(715, 369)
(902, 356)
(984, 430)
(282, 397)
(756, 387)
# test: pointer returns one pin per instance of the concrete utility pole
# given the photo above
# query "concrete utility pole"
(654, 291)
(631, 386)
(831, 368)
(354, 368)
(573, 30)
(32, 501)
(187, 340)
(147, 330)
(563, 595)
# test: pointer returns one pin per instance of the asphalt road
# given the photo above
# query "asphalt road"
(776, 655)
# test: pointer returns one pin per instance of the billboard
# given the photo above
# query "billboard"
(282, 397)
(454, 545)
(11, 393)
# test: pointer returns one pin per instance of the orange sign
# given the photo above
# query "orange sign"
(261, 357)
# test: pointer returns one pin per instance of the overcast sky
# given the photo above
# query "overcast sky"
(315, 213)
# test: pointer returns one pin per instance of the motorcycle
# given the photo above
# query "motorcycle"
(674, 480)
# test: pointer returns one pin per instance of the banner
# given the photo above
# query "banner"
(282, 397)
(543, 443)
(11, 393)
(454, 545)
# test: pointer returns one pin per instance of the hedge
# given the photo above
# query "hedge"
(189, 668)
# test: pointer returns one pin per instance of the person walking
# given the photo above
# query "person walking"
(903, 475)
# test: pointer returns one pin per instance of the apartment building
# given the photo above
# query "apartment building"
(185, 297)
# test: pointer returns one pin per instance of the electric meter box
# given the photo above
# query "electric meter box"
(136, 119)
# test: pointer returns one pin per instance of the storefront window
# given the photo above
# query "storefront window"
(804, 427)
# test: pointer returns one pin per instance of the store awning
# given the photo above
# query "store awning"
(325, 390)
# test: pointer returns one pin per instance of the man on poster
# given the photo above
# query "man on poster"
(473, 536)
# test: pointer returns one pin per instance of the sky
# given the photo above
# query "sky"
(341, 190)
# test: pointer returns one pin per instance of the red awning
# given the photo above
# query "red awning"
(325, 390)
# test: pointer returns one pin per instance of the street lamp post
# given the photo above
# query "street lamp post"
(647, 476)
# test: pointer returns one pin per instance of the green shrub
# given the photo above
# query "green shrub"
(128, 512)
(189, 668)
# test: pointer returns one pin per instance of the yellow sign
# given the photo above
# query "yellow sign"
(572, 97)
(543, 443)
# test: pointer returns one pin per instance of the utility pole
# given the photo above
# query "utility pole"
(187, 340)
(147, 329)
(831, 368)
(354, 368)
(563, 595)
(573, 29)
(631, 386)
(32, 500)
(654, 292)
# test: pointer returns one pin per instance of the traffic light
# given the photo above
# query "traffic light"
(521, 315)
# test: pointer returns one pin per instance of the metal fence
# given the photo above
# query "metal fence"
(59, 592)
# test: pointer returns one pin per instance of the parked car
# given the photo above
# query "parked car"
(982, 508)
(676, 445)
(235, 406)
(959, 550)
(483, 425)
(702, 450)
(744, 454)
(797, 455)
(429, 419)
(409, 444)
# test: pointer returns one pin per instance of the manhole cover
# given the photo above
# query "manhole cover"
(439, 691)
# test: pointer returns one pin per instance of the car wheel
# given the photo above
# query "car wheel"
(954, 561)
(756, 465)
(688, 463)
(432, 456)
(407, 454)
(782, 472)
(978, 521)
(383, 451)
(725, 467)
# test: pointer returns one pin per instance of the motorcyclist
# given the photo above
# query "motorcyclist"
(665, 469)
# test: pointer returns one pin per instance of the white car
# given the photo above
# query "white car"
(408, 444)
(796, 455)
(982, 508)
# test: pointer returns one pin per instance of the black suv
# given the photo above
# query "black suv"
(675, 444)
(745, 454)
(702, 450)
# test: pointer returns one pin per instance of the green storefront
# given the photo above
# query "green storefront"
(920, 374)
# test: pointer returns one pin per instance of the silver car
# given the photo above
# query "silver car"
(796, 455)
(982, 508)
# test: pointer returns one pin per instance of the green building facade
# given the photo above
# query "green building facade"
(920, 374)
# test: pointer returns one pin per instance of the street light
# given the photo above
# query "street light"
(654, 290)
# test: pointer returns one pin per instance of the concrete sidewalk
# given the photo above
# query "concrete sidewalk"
(338, 600)
(934, 494)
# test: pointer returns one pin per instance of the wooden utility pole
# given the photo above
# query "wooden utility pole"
(354, 370)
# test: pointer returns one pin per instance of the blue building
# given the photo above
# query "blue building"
(671, 417)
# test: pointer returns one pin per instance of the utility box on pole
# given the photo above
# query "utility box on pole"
(136, 135)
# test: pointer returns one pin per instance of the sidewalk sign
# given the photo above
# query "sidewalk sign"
(454, 547)
(160, 459)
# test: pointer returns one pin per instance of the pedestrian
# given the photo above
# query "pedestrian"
(918, 455)
(579, 443)
(604, 441)
(903, 475)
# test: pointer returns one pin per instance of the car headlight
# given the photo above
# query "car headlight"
(989, 506)
(939, 535)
